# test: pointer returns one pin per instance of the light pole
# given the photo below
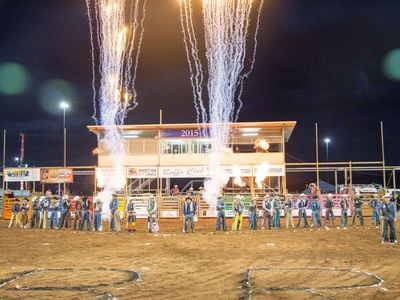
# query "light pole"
(327, 141)
(64, 105)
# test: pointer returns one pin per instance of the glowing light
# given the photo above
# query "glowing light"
(261, 145)
(262, 172)
(14, 78)
(226, 28)
(237, 179)
(250, 134)
(64, 105)
(117, 37)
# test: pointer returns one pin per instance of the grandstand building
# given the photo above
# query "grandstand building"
(160, 154)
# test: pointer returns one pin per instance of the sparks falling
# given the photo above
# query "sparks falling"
(226, 31)
(116, 33)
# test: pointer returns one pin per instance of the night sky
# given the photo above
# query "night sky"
(317, 61)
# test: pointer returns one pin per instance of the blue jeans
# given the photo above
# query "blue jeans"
(276, 219)
(388, 223)
(53, 220)
(316, 218)
(189, 217)
(97, 220)
(267, 218)
(253, 221)
(344, 217)
(66, 214)
(358, 212)
(376, 218)
(86, 217)
(302, 215)
(221, 220)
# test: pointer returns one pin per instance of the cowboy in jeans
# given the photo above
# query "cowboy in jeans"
(302, 205)
(65, 214)
(35, 216)
(358, 210)
(78, 212)
(188, 213)
(389, 218)
(98, 208)
(344, 205)
(221, 220)
(375, 204)
(288, 207)
(253, 214)
(276, 218)
(86, 214)
(329, 211)
(316, 212)
(267, 212)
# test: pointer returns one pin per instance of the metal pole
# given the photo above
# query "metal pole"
(284, 186)
(316, 154)
(336, 189)
(65, 154)
(394, 180)
(4, 161)
(383, 160)
(159, 181)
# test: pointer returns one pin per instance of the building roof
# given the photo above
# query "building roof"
(262, 128)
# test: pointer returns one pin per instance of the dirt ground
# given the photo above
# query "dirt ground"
(279, 264)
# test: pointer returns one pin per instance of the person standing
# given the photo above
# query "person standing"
(114, 214)
(54, 204)
(375, 204)
(221, 220)
(302, 205)
(78, 212)
(188, 212)
(65, 213)
(86, 214)
(316, 212)
(358, 203)
(131, 217)
(276, 218)
(15, 208)
(344, 205)
(288, 208)
(253, 214)
(44, 215)
(267, 212)
(98, 209)
(238, 208)
(329, 211)
(389, 217)
(152, 221)
(35, 216)
(24, 213)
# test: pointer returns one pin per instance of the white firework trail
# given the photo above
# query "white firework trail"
(117, 27)
(226, 28)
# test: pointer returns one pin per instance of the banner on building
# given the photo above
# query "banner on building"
(272, 171)
(201, 171)
(142, 172)
(56, 175)
(21, 174)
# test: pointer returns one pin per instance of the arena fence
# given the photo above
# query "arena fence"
(171, 206)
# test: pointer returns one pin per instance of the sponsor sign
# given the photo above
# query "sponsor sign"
(185, 133)
(273, 170)
(199, 171)
(140, 207)
(55, 175)
(21, 174)
(142, 172)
